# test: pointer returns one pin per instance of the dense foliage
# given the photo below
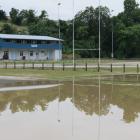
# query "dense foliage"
(3, 15)
(126, 28)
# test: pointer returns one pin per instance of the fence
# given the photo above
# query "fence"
(64, 66)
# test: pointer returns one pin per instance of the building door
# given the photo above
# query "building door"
(37, 55)
(6, 55)
(13, 55)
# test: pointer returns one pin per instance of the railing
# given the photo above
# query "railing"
(112, 67)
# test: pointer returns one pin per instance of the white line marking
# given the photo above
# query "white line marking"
(27, 87)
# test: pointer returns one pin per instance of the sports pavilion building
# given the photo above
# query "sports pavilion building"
(28, 47)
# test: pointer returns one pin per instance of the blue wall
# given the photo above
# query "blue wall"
(9, 45)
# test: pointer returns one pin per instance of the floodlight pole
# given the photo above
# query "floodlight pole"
(112, 41)
(73, 44)
(99, 32)
(112, 54)
(59, 4)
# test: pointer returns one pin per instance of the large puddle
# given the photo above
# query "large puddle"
(87, 108)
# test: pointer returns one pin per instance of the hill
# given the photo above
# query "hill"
(16, 29)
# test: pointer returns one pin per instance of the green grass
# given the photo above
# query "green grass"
(68, 62)
(59, 73)
(49, 74)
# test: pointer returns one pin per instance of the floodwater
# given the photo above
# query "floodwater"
(87, 108)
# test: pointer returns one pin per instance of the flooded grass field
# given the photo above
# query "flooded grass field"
(85, 108)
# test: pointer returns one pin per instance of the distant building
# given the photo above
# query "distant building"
(28, 47)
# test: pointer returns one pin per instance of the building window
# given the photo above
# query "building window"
(24, 41)
(48, 42)
(21, 53)
(28, 41)
(18, 41)
(13, 41)
(42, 52)
(39, 42)
(44, 42)
(6, 40)
(34, 42)
(6, 55)
(31, 53)
(5, 52)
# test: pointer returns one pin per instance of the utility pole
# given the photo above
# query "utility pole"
(112, 54)
(99, 32)
(59, 32)
(73, 44)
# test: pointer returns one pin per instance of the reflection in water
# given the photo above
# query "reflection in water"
(92, 103)
(27, 101)
(73, 101)
(59, 97)
(99, 125)
(85, 98)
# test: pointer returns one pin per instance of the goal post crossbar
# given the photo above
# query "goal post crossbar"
(86, 49)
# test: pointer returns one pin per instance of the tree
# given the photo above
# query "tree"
(129, 8)
(14, 15)
(3, 15)
(31, 17)
(45, 27)
(7, 29)
(86, 20)
(43, 15)
(87, 30)
(23, 17)
(136, 16)
(129, 42)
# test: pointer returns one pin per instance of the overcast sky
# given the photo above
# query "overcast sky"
(66, 8)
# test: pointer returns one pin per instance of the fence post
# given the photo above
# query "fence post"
(52, 65)
(33, 65)
(14, 65)
(98, 67)
(23, 65)
(42, 65)
(63, 66)
(111, 68)
(137, 68)
(5, 65)
(124, 68)
(86, 66)
(74, 67)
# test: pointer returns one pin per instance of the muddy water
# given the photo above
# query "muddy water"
(13, 83)
(101, 108)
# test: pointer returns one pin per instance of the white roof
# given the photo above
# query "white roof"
(27, 37)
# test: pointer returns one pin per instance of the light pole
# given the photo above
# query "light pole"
(112, 54)
(59, 4)
(99, 32)
(73, 44)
